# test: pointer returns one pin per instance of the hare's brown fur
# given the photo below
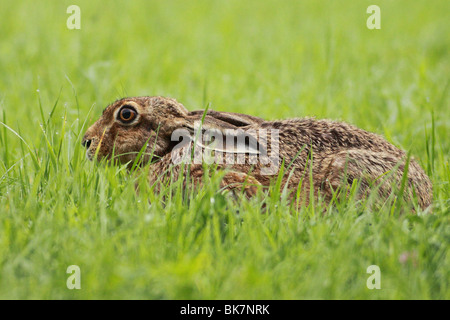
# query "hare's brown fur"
(335, 153)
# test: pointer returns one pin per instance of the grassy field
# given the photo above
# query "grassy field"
(273, 59)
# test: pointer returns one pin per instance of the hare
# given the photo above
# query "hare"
(320, 157)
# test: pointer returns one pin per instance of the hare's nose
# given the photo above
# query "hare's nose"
(86, 143)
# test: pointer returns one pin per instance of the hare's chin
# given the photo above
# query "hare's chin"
(89, 155)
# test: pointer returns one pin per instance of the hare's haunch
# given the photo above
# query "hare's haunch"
(320, 155)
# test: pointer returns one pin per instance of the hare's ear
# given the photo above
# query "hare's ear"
(221, 136)
(235, 119)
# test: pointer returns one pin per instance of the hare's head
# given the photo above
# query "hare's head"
(130, 125)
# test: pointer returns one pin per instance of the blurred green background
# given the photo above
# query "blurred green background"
(273, 59)
(270, 58)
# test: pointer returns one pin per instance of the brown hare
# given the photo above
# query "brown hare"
(321, 156)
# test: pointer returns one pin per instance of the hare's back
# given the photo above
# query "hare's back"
(327, 135)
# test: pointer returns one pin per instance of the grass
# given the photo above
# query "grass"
(274, 59)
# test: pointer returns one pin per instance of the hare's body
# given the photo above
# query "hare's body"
(320, 155)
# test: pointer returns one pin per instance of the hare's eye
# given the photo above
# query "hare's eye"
(127, 114)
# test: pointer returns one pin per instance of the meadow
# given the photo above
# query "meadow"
(272, 59)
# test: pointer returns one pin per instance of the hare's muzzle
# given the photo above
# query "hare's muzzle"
(86, 143)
